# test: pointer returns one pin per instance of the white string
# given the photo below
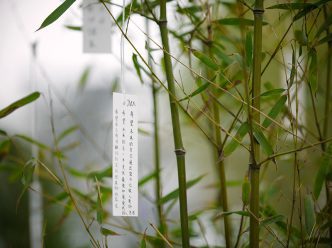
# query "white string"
(122, 86)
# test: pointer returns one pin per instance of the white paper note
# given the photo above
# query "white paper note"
(96, 27)
(125, 182)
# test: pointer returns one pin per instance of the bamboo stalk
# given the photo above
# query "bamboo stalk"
(179, 149)
(256, 88)
(328, 183)
(158, 190)
(223, 200)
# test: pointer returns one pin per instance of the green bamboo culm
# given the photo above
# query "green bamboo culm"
(179, 149)
(256, 90)
(223, 200)
(158, 189)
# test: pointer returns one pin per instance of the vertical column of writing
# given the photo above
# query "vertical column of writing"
(116, 159)
(132, 155)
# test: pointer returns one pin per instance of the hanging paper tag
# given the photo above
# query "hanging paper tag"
(125, 183)
(96, 28)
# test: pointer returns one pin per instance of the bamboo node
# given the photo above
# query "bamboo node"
(258, 11)
(180, 152)
(254, 166)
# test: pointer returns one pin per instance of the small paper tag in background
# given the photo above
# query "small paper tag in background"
(96, 28)
(125, 178)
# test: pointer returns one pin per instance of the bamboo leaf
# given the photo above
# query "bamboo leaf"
(84, 78)
(196, 92)
(67, 132)
(324, 168)
(143, 242)
(276, 109)
(56, 13)
(309, 214)
(236, 22)
(233, 144)
(221, 55)
(328, 38)
(137, 67)
(293, 70)
(301, 37)
(245, 191)
(324, 26)
(290, 6)
(34, 142)
(273, 92)
(266, 146)
(107, 232)
(309, 9)
(4, 148)
(249, 49)
(242, 213)
(272, 219)
(175, 193)
(18, 104)
(313, 74)
(206, 60)
(147, 178)
(74, 28)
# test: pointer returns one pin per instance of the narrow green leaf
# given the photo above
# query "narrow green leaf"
(196, 92)
(28, 172)
(301, 37)
(266, 146)
(67, 132)
(272, 220)
(33, 141)
(74, 28)
(175, 193)
(290, 6)
(18, 104)
(100, 175)
(293, 70)
(309, 214)
(327, 23)
(249, 49)
(147, 178)
(328, 38)
(245, 191)
(206, 60)
(84, 78)
(313, 73)
(242, 213)
(233, 144)
(309, 9)
(4, 148)
(56, 13)
(274, 92)
(143, 242)
(107, 232)
(216, 50)
(324, 168)
(276, 109)
(137, 67)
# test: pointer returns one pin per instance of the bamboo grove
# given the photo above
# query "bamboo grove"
(253, 78)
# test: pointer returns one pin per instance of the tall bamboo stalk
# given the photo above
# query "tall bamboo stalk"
(158, 190)
(328, 183)
(256, 88)
(179, 149)
(223, 200)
